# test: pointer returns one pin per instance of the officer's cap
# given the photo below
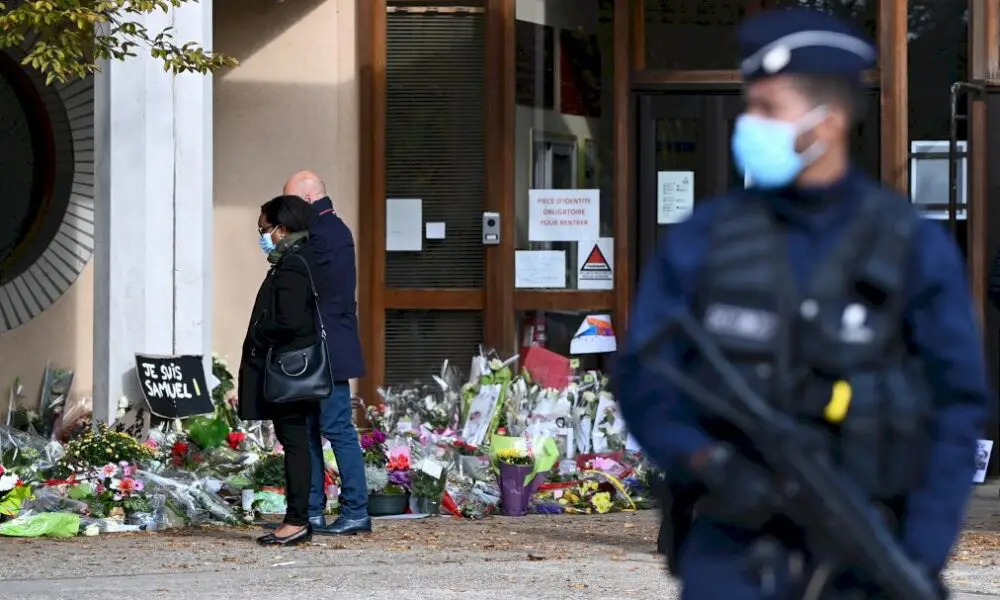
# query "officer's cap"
(802, 41)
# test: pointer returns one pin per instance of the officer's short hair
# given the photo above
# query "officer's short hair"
(844, 92)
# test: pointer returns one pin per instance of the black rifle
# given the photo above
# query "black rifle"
(841, 526)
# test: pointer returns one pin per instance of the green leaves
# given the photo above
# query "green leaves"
(67, 39)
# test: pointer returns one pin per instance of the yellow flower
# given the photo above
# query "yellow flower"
(602, 502)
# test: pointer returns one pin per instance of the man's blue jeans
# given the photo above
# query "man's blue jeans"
(336, 423)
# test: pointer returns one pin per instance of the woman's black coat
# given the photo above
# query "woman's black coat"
(283, 317)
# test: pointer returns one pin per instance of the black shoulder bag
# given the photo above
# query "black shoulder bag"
(302, 374)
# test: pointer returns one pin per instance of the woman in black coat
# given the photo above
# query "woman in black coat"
(283, 319)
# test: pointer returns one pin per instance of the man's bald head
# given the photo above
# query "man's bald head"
(306, 185)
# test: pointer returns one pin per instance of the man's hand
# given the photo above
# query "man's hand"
(739, 491)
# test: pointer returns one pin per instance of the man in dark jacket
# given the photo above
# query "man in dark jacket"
(336, 284)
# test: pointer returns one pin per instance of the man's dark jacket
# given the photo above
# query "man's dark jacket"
(993, 286)
(337, 283)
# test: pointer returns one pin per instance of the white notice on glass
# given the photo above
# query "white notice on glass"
(435, 231)
(404, 224)
(540, 269)
(674, 196)
(563, 215)
(983, 450)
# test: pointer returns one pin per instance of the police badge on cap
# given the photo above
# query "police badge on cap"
(803, 42)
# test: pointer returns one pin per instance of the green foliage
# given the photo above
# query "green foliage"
(69, 38)
(425, 486)
(224, 409)
(269, 472)
(207, 432)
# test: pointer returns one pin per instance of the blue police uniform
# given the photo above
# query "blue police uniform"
(936, 311)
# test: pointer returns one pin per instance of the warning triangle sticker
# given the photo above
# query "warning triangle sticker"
(595, 261)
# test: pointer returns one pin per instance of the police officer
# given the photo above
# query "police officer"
(815, 282)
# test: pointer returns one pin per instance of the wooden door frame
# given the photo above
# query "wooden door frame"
(498, 299)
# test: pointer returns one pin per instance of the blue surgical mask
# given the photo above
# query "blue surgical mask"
(764, 149)
(266, 243)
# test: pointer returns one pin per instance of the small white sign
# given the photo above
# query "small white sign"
(674, 196)
(435, 231)
(540, 269)
(983, 450)
(432, 468)
(404, 224)
(563, 215)
(596, 260)
(594, 336)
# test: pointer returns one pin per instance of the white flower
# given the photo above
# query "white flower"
(7, 481)
(377, 478)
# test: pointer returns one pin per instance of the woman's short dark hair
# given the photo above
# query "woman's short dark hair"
(291, 212)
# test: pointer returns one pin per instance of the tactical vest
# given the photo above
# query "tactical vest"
(843, 333)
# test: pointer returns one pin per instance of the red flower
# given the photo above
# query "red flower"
(235, 438)
(399, 463)
(2, 470)
(179, 449)
(501, 431)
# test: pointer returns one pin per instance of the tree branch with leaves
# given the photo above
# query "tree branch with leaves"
(68, 39)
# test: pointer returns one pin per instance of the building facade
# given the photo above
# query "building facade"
(502, 163)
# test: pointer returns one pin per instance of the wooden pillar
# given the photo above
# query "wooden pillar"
(622, 57)
(499, 327)
(371, 50)
(892, 44)
(984, 64)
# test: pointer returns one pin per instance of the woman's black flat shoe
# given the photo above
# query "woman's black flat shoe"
(303, 536)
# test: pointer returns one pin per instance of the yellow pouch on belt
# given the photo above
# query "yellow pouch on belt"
(840, 402)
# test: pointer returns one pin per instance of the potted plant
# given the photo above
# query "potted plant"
(386, 490)
(428, 487)
(516, 466)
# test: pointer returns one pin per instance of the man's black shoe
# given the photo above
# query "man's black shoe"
(343, 526)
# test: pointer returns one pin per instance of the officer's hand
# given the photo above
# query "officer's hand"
(739, 490)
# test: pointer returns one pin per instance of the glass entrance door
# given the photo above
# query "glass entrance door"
(683, 157)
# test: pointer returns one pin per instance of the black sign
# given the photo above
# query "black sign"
(174, 386)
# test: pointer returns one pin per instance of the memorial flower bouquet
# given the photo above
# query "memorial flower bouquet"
(515, 456)
(385, 473)
(101, 446)
(116, 491)
(8, 481)
(183, 455)
(13, 493)
(268, 472)
(587, 497)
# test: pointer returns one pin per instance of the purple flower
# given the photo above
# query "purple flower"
(547, 508)
(370, 440)
(400, 478)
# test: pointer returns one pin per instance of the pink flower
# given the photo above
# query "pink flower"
(127, 486)
(151, 443)
(109, 470)
(127, 470)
